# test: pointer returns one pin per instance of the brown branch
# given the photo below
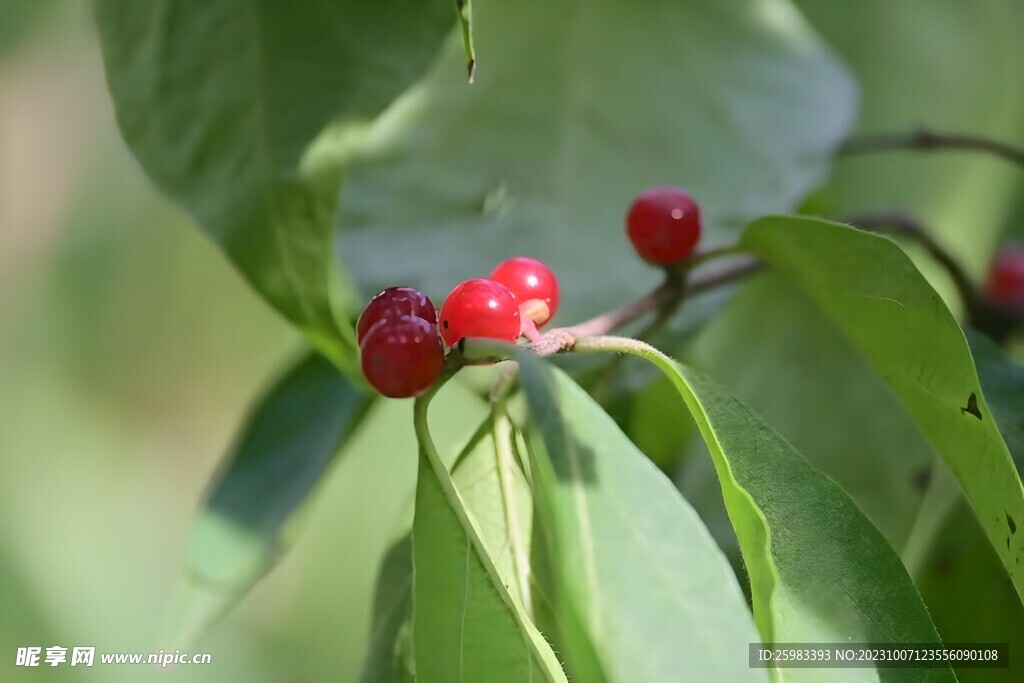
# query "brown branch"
(664, 297)
(925, 139)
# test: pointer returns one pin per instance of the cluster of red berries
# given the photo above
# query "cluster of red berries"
(400, 333)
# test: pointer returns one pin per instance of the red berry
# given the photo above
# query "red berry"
(1005, 282)
(402, 357)
(530, 281)
(480, 308)
(664, 225)
(392, 304)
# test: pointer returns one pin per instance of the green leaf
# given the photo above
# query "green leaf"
(869, 287)
(906, 82)
(243, 112)
(964, 585)
(392, 614)
(581, 106)
(19, 19)
(641, 589)
(819, 570)
(969, 595)
(466, 624)
(789, 378)
(249, 517)
(498, 497)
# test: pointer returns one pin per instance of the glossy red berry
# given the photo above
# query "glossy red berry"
(393, 303)
(402, 357)
(1005, 282)
(531, 282)
(663, 224)
(480, 308)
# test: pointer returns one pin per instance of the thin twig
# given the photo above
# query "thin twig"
(664, 297)
(925, 139)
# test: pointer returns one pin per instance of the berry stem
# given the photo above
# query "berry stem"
(926, 139)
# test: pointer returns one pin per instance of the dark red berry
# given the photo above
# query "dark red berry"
(392, 304)
(664, 225)
(1005, 282)
(402, 357)
(480, 308)
(531, 282)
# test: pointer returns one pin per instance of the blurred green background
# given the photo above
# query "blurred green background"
(129, 352)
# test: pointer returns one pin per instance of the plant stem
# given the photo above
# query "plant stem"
(613, 344)
(666, 296)
(925, 139)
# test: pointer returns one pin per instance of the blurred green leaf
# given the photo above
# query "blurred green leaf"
(248, 519)
(948, 65)
(244, 112)
(869, 287)
(19, 18)
(581, 107)
(392, 611)
(819, 570)
(466, 624)
(647, 414)
(641, 590)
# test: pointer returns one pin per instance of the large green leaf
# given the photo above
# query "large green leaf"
(497, 496)
(466, 624)
(641, 591)
(946, 64)
(819, 570)
(248, 518)
(789, 377)
(967, 592)
(581, 106)
(226, 104)
(868, 286)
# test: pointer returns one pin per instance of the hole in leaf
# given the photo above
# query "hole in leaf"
(972, 406)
